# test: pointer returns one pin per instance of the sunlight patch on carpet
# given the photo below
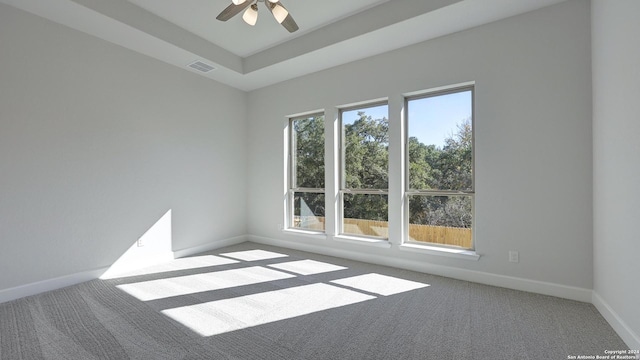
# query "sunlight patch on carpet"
(307, 267)
(254, 255)
(380, 284)
(188, 263)
(191, 284)
(221, 316)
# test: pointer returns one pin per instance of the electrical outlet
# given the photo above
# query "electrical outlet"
(514, 257)
(140, 242)
(280, 227)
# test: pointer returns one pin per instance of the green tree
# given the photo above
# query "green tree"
(308, 138)
(449, 168)
(366, 167)
(366, 142)
(455, 162)
(420, 159)
(367, 153)
(309, 144)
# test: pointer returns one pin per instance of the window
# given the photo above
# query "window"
(364, 171)
(432, 165)
(440, 181)
(306, 173)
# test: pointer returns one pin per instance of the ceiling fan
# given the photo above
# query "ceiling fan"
(250, 15)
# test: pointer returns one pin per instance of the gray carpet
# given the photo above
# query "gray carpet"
(252, 301)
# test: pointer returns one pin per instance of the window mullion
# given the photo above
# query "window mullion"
(396, 169)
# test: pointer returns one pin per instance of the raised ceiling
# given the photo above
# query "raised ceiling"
(198, 17)
(332, 32)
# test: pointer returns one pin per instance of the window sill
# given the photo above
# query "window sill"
(441, 251)
(307, 233)
(363, 241)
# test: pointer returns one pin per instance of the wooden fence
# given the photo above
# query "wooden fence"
(444, 235)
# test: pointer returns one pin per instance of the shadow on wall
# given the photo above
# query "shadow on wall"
(153, 247)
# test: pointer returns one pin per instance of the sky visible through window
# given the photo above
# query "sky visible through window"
(431, 119)
(436, 118)
(376, 112)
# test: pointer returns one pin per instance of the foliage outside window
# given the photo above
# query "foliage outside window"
(364, 171)
(306, 177)
(440, 187)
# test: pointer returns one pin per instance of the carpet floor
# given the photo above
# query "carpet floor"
(252, 301)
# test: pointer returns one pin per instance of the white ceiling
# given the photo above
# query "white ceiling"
(198, 17)
(332, 32)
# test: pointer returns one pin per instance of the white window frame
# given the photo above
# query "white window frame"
(342, 174)
(427, 192)
(292, 187)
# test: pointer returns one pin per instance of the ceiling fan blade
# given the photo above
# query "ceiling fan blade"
(290, 24)
(288, 21)
(233, 10)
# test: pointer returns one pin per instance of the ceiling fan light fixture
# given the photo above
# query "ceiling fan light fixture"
(279, 12)
(250, 16)
(249, 8)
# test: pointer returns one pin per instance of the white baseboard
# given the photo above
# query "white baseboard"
(624, 331)
(73, 279)
(209, 246)
(49, 284)
(539, 287)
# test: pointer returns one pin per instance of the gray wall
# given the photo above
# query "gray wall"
(97, 143)
(533, 138)
(616, 168)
